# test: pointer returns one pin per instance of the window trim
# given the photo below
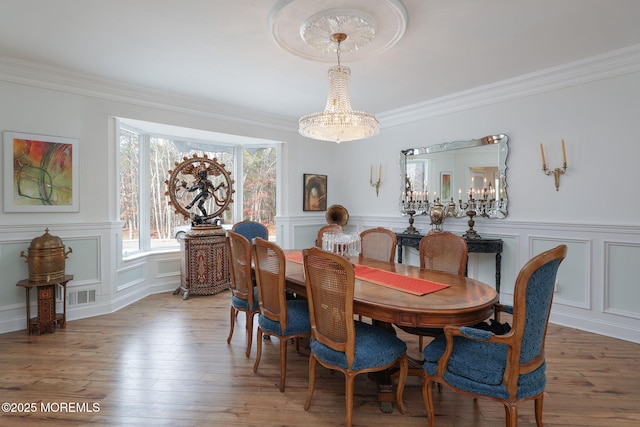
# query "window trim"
(146, 132)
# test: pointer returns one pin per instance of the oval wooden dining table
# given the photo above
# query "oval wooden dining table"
(464, 302)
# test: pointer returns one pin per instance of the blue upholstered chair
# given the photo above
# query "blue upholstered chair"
(250, 230)
(508, 368)
(279, 317)
(244, 295)
(339, 342)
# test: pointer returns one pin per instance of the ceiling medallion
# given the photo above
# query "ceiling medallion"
(318, 30)
(304, 27)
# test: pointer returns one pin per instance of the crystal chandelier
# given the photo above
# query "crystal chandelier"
(338, 122)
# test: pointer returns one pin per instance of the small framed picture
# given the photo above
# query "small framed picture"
(445, 185)
(40, 173)
(315, 192)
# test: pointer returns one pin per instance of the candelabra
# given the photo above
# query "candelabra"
(482, 204)
(411, 207)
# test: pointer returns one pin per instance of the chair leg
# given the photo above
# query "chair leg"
(249, 332)
(538, 410)
(511, 412)
(420, 343)
(259, 351)
(232, 323)
(349, 386)
(312, 381)
(402, 379)
(427, 396)
(283, 362)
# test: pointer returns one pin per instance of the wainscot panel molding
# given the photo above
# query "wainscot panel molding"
(102, 282)
(620, 297)
(596, 291)
(596, 287)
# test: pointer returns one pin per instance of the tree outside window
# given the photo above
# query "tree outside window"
(150, 223)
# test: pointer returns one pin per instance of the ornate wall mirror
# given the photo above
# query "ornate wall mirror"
(461, 175)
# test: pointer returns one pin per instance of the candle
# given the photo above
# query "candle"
(380, 172)
(564, 153)
(544, 163)
(371, 175)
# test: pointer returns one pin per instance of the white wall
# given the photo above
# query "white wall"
(595, 211)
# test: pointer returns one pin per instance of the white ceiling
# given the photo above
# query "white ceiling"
(223, 50)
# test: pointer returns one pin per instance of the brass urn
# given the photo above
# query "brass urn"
(46, 258)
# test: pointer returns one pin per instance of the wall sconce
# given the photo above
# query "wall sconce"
(376, 183)
(557, 171)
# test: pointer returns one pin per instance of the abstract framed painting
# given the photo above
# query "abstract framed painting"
(315, 192)
(40, 173)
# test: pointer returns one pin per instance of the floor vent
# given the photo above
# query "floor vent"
(81, 297)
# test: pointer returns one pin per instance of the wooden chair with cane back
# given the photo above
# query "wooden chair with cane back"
(280, 317)
(378, 243)
(339, 342)
(441, 251)
(331, 228)
(244, 295)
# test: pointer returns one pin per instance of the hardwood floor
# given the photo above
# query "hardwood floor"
(164, 361)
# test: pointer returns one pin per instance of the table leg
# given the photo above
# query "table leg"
(28, 311)
(64, 306)
(498, 269)
(386, 395)
(384, 379)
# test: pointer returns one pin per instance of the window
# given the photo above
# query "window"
(146, 158)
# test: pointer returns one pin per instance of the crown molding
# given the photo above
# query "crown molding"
(610, 64)
(37, 75)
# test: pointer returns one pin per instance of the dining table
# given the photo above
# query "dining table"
(406, 295)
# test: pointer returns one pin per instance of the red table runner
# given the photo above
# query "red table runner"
(400, 282)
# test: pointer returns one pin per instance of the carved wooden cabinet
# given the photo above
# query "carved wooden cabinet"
(204, 264)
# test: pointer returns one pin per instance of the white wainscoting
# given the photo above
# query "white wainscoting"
(597, 283)
(597, 287)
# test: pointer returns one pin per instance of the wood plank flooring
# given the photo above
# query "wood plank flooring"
(163, 361)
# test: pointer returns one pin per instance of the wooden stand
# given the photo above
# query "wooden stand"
(205, 267)
(48, 318)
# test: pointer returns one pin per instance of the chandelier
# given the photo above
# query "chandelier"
(338, 122)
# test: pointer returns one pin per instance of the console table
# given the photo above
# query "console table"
(48, 317)
(489, 246)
